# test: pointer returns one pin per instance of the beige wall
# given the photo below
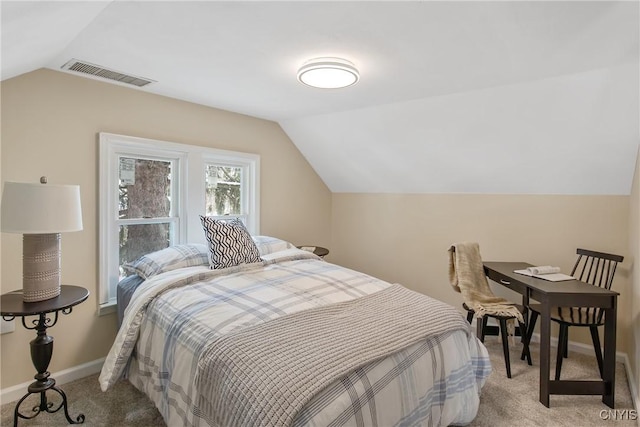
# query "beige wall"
(50, 122)
(634, 256)
(404, 238)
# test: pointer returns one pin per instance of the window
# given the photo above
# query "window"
(147, 215)
(152, 194)
(223, 190)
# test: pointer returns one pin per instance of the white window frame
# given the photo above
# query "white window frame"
(188, 196)
(247, 203)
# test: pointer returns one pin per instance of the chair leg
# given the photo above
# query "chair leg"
(525, 344)
(505, 345)
(525, 316)
(481, 326)
(469, 316)
(529, 334)
(566, 344)
(595, 337)
(562, 342)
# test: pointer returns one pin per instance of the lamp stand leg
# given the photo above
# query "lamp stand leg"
(41, 352)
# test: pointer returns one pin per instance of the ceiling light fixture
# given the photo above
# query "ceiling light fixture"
(328, 73)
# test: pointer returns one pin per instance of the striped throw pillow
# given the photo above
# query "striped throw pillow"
(230, 243)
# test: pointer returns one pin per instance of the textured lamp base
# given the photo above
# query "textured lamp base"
(41, 266)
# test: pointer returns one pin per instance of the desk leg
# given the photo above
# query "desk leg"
(545, 352)
(526, 352)
(609, 368)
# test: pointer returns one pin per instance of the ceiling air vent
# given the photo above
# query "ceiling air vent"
(105, 73)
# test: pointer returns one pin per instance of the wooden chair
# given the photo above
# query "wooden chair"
(467, 276)
(483, 329)
(597, 269)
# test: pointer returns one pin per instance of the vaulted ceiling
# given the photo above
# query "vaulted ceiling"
(455, 97)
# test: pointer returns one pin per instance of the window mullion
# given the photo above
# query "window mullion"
(136, 221)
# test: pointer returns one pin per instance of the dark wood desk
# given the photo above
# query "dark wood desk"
(570, 293)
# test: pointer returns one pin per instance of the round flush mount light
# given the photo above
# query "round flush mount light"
(328, 73)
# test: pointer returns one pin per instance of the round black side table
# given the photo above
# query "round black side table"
(318, 250)
(12, 306)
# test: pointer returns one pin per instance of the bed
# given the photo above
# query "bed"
(291, 339)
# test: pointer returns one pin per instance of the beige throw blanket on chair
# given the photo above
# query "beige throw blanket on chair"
(466, 275)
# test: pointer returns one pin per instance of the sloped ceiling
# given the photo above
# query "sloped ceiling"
(455, 97)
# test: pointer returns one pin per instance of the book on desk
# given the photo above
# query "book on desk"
(545, 272)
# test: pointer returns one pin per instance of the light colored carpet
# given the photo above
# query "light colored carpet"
(504, 402)
(515, 401)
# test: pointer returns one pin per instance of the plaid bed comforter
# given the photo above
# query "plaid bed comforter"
(174, 317)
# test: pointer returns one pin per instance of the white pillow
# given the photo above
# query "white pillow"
(268, 245)
(171, 258)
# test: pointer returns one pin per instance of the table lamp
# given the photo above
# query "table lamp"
(40, 212)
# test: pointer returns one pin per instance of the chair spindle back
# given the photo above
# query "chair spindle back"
(596, 268)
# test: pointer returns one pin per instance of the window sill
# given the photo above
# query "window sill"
(107, 308)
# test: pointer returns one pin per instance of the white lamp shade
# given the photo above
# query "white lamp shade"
(29, 208)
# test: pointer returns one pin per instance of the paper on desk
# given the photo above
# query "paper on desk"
(545, 272)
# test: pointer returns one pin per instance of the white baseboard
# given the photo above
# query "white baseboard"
(578, 347)
(15, 392)
(573, 346)
(635, 398)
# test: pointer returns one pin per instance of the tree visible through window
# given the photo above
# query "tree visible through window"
(223, 188)
(144, 193)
